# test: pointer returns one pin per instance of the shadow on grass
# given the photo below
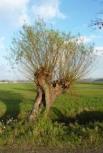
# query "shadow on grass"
(12, 102)
(84, 117)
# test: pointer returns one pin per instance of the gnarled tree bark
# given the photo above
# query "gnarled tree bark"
(47, 92)
(36, 105)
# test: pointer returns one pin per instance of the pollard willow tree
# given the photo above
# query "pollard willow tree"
(54, 60)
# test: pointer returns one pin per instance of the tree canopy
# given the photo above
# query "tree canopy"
(60, 54)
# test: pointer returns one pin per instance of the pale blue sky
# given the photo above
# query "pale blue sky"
(66, 15)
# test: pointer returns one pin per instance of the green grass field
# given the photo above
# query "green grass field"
(76, 118)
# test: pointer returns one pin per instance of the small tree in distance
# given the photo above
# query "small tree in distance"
(97, 23)
(54, 60)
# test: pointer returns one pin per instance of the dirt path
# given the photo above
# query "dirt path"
(46, 150)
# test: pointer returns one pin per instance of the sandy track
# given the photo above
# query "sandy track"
(47, 150)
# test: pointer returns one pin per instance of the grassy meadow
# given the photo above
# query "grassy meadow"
(76, 118)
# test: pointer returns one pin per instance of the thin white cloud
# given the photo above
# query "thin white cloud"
(84, 39)
(48, 9)
(12, 11)
(98, 51)
(90, 38)
(16, 12)
(12, 4)
(96, 37)
(23, 18)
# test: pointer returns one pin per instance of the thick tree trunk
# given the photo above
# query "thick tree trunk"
(37, 105)
(47, 93)
(46, 96)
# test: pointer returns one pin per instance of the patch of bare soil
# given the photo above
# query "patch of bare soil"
(47, 150)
